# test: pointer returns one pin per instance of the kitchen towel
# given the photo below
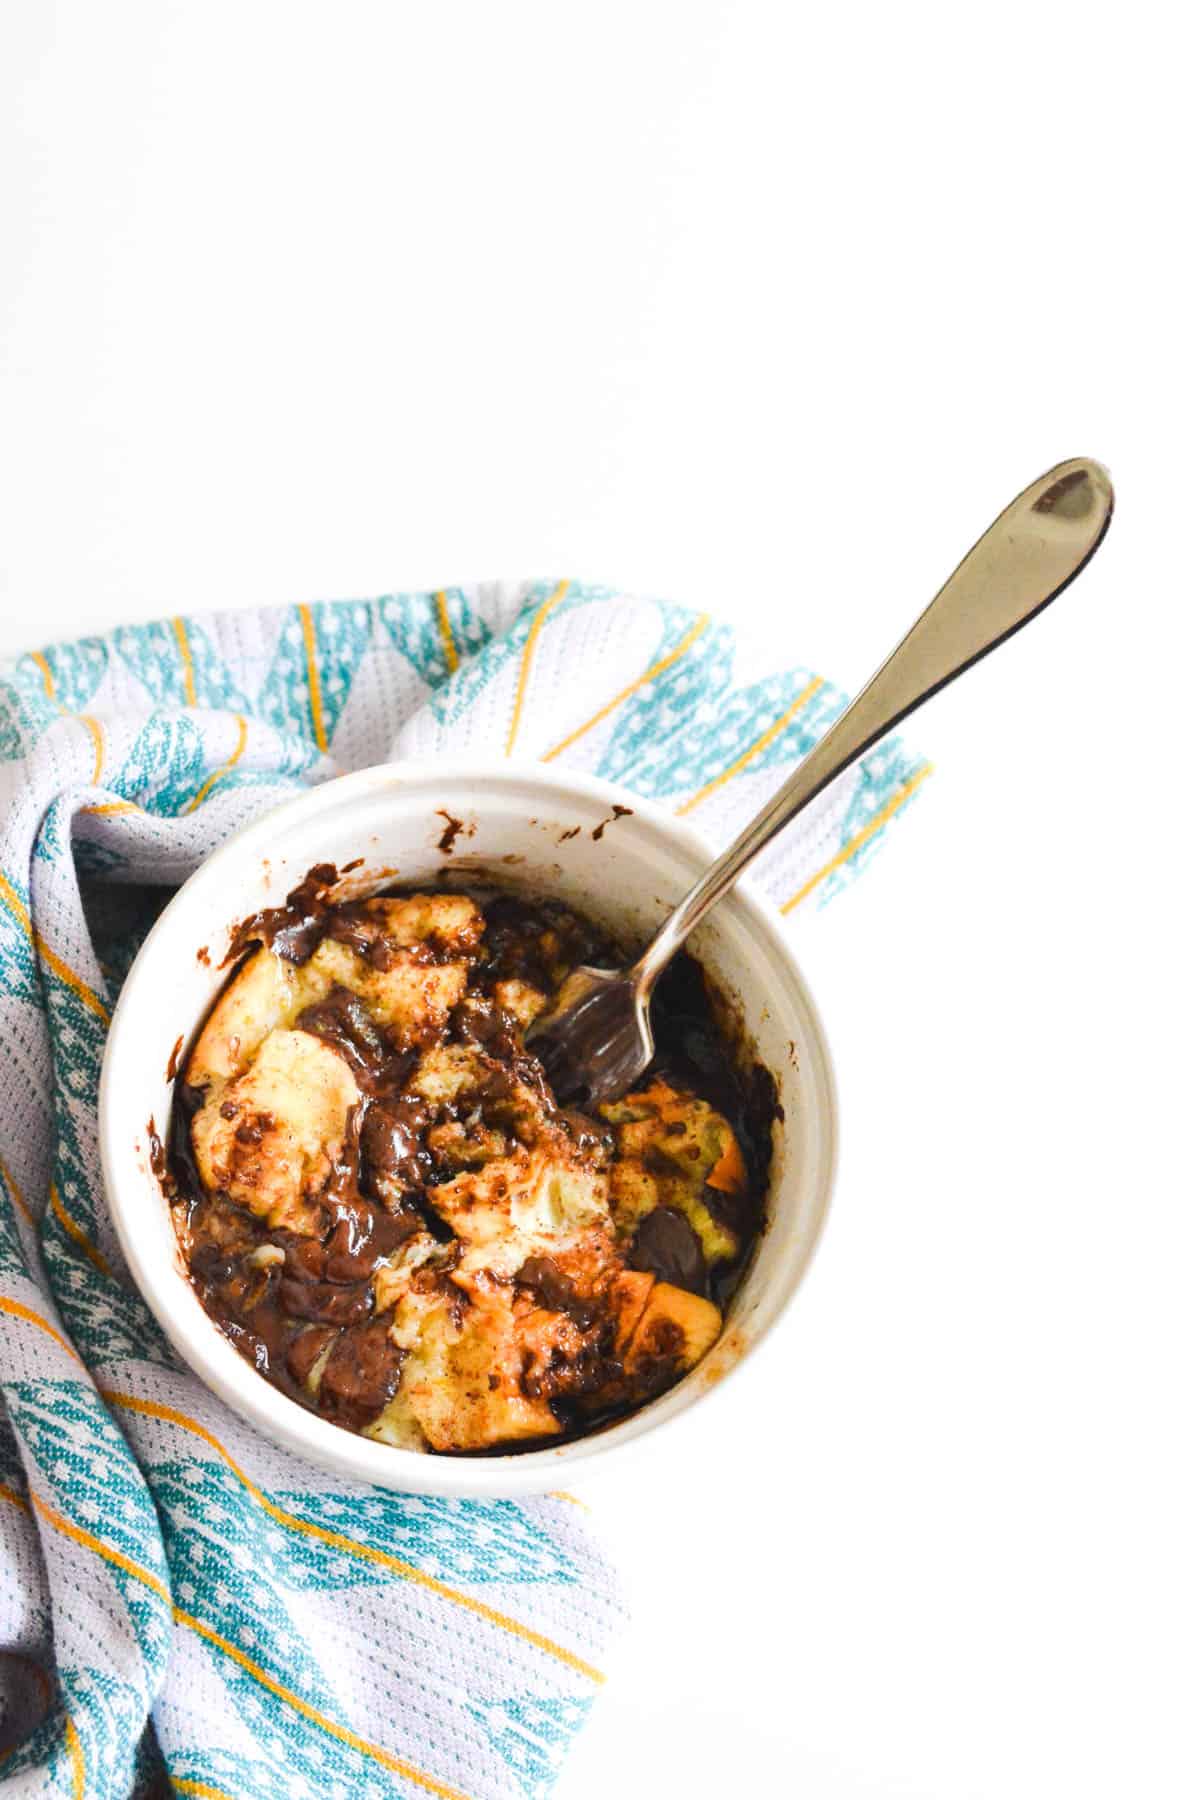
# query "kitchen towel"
(183, 1607)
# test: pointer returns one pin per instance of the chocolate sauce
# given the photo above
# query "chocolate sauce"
(181, 1156)
(395, 1159)
(550, 1288)
(361, 1375)
(618, 812)
(343, 1022)
(294, 929)
(515, 947)
(454, 827)
(158, 1156)
(665, 1245)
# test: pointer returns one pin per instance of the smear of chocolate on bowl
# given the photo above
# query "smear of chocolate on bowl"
(455, 828)
(618, 812)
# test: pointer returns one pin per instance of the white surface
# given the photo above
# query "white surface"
(769, 310)
(745, 945)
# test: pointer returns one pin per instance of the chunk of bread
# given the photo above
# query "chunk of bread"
(451, 922)
(463, 1379)
(522, 1204)
(265, 992)
(397, 1425)
(447, 1072)
(671, 1146)
(394, 1279)
(675, 1330)
(409, 998)
(521, 1000)
(272, 1137)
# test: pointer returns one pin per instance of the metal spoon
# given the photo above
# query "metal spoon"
(595, 1040)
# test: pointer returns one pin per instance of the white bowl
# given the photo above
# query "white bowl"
(515, 819)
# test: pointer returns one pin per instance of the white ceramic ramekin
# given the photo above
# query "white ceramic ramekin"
(537, 828)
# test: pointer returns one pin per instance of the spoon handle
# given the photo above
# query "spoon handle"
(1033, 551)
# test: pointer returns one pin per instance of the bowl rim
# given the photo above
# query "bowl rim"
(280, 1419)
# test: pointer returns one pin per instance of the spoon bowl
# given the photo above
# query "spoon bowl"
(595, 1040)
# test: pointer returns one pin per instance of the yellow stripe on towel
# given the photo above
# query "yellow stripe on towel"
(685, 643)
(757, 747)
(535, 630)
(874, 824)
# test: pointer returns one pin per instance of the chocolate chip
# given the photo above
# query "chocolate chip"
(664, 1245)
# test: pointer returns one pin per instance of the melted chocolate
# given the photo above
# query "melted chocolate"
(453, 829)
(543, 1278)
(361, 1375)
(294, 929)
(181, 1157)
(158, 1156)
(666, 1246)
(305, 1348)
(343, 1022)
(516, 947)
(618, 812)
(478, 1020)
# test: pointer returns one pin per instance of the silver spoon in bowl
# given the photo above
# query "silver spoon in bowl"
(595, 1040)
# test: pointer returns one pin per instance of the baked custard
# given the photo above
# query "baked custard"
(381, 1204)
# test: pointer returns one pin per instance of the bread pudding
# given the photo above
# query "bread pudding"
(382, 1205)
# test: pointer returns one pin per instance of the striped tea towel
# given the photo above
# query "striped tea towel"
(184, 1608)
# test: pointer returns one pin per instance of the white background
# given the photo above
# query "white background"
(769, 310)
